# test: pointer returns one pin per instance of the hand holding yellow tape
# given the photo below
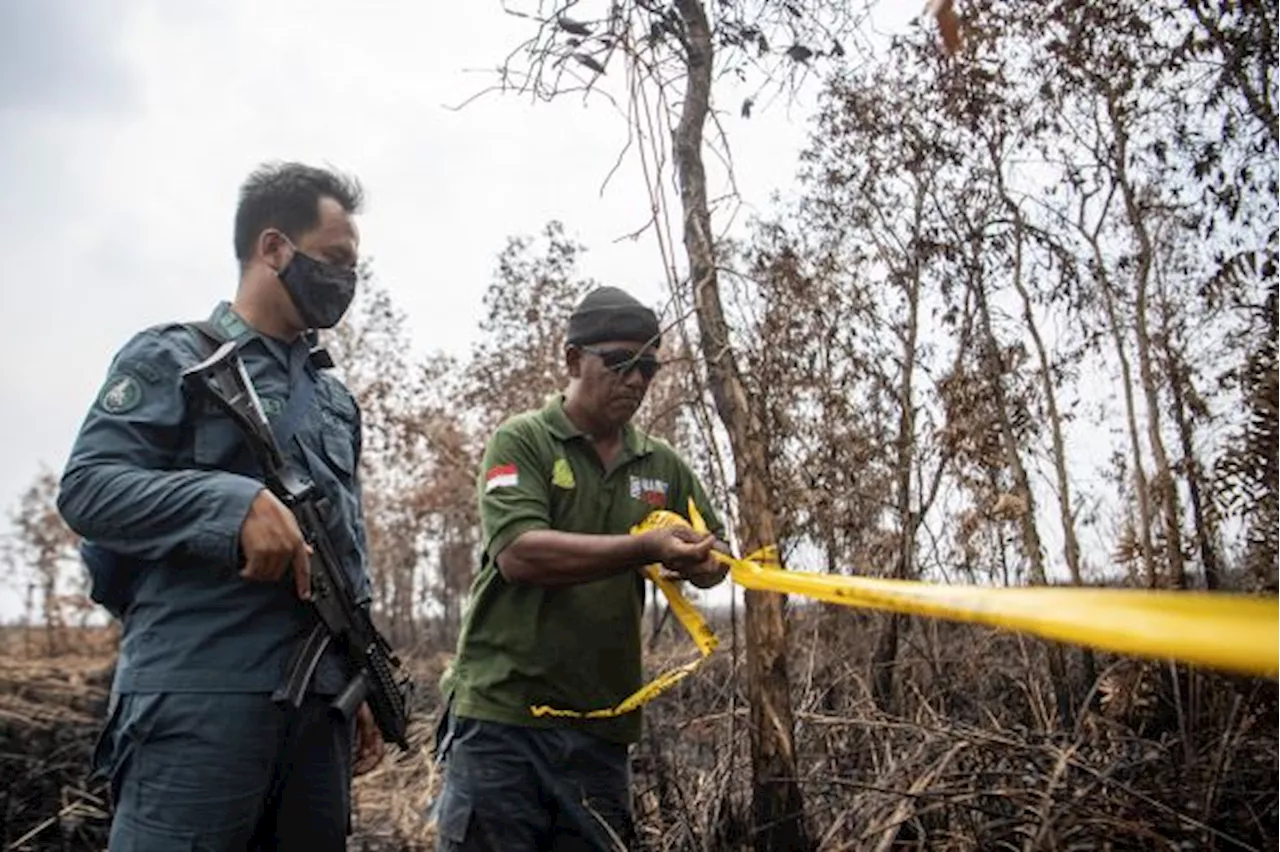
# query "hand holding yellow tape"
(1233, 632)
(685, 613)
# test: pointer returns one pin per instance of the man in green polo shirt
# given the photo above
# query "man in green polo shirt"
(554, 614)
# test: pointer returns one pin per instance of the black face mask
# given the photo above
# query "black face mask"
(320, 291)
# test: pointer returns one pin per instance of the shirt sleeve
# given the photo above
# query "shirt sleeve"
(514, 487)
(120, 487)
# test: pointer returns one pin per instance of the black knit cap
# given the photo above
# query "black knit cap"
(608, 313)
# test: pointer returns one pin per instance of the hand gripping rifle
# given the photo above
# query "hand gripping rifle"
(222, 379)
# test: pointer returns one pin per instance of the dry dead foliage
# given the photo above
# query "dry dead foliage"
(975, 759)
(50, 711)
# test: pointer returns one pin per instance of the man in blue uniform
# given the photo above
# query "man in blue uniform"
(207, 569)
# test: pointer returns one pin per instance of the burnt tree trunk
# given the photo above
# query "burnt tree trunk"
(885, 656)
(777, 806)
(993, 364)
(1070, 542)
(1166, 486)
(1179, 378)
(1142, 492)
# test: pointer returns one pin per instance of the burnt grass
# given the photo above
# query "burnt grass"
(970, 756)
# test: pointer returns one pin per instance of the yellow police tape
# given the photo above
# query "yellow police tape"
(1232, 632)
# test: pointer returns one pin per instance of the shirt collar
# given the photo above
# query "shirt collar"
(235, 328)
(558, 423)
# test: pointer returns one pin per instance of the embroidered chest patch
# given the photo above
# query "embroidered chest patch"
(649, 490)
(562, 474)
(271, 406)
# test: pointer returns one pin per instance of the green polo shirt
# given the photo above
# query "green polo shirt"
(574, 647)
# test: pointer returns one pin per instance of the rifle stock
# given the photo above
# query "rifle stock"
(377, 679)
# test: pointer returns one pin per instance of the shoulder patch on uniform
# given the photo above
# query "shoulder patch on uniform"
(562, 474)
(121, 393)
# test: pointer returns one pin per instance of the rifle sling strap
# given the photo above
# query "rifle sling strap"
(301, 392)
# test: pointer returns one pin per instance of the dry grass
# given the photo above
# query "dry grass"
(971, 758)
(50, 710)
(52, 707)
(392, 801)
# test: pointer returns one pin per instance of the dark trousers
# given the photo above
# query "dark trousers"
(214, 772)
(508, 787)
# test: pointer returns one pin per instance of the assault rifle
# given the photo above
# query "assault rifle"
(222, 379)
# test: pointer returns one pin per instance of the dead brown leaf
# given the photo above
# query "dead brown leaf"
(948, 23)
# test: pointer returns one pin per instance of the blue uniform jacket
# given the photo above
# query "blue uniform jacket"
(165, 482)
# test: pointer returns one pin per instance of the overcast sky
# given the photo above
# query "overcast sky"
(126, 127)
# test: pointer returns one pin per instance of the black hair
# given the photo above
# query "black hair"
(286, 196)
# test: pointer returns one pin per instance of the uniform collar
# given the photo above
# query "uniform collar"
(235, 328)
(230, 322)
(559, 424)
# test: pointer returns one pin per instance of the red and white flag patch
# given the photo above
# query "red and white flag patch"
(501, 476)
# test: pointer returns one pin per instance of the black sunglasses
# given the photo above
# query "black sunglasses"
(623, 361)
